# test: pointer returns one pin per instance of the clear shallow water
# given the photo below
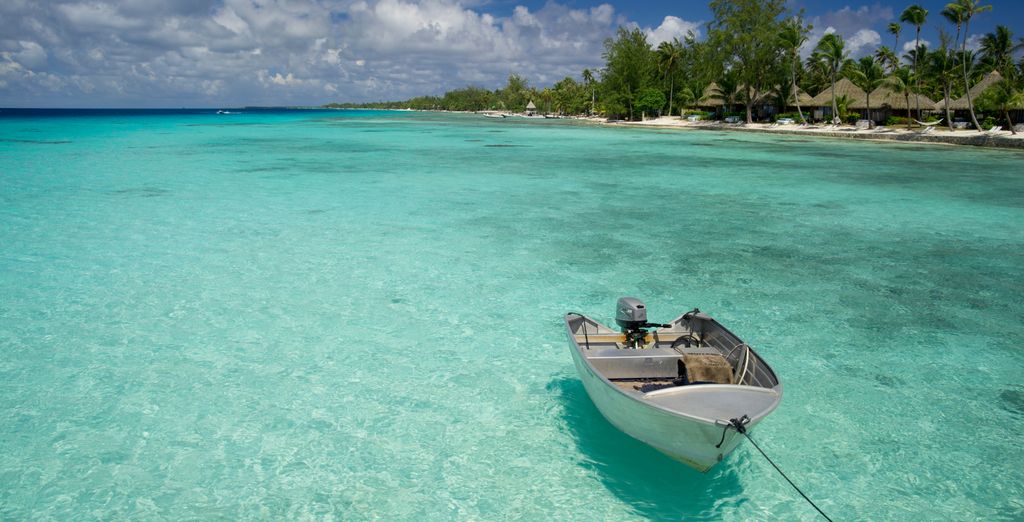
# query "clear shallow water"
(358, 315)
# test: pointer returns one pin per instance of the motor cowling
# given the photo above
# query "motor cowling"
(630, 314)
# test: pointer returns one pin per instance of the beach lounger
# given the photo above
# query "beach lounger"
(994, 130)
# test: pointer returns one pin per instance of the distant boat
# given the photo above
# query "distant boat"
(493, 115)
(677, 388)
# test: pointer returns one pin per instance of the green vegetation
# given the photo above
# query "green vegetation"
(750, 62)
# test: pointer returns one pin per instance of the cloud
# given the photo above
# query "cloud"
(974, 42)
(858, 43)
(864, 40)
(220, 52)
(31, 54)
(671, 27)
(909, 46)
(854, 25)
(847, 21)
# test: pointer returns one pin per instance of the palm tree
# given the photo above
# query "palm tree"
(997, 49)
(955, 15)
(941, 65)
(670, 54)
(894, 29)
(888, 58)
(588, 78)
(831, 51)
(867, 74)
(727, 89)
(792, 38)
(902, 81)
(916, 15)
(689, 95)
(969, 8)
(1003, 96)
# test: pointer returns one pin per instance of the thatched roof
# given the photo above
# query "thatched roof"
(886, 97)
(976, 91)
(805, 99)
(844, 87)
(711, 97)
(530, 105)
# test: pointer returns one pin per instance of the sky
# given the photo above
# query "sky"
(234, 53)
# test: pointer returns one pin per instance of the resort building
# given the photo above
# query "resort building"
(714, 100)
(885, 103)
(960, 111)
(852, 95)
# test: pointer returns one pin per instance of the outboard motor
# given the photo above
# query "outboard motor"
(631, 316)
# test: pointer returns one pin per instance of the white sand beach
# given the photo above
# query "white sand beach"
(938, 135)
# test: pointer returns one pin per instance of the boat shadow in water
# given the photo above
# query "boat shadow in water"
(656, 486)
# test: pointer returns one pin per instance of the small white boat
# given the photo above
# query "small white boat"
(493, 115)
(680, 387)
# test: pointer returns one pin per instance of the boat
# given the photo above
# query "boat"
(688, 388)
(493, 115)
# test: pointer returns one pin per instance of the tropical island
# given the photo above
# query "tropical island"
(754, 66)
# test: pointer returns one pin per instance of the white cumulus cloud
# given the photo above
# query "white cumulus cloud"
(671, 27)
(864, 40)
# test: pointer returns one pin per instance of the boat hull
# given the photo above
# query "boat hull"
(688, 440)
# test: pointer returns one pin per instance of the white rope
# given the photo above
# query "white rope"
(746, 362)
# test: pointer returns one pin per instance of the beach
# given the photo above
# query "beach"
(939, 134)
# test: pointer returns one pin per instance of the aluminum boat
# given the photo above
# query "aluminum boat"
(679, 387)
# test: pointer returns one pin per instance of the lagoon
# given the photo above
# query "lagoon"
(357, 315)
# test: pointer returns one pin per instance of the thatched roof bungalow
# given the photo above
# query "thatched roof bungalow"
(887, 98)
(976, 90)
(710, 97)
(844, 87)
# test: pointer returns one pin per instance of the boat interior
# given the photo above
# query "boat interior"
(692, 350)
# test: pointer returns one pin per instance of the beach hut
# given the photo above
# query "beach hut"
(822, 103)
(712, 102)
(959, 108)
(892, 103)
(531, 109)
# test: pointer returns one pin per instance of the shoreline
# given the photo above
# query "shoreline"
(1001, 139)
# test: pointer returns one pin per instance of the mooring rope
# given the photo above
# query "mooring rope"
(740, 425)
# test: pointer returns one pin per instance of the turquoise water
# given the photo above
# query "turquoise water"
(357, 315)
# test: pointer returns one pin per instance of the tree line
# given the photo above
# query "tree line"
(752, 56)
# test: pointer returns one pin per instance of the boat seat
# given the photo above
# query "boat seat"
(615, 363)
(705, 368)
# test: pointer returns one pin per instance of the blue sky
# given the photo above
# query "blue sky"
(221, 53)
